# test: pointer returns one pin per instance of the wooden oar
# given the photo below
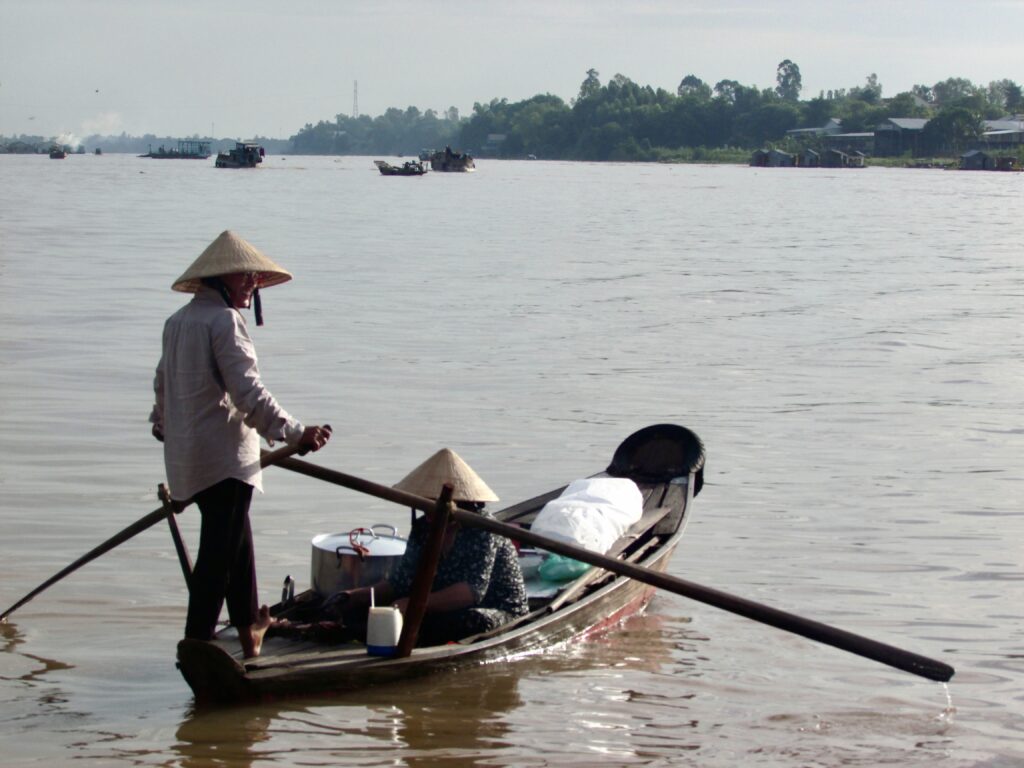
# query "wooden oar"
(154, 517)
(813, 630)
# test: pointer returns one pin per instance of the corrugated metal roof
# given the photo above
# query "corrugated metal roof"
(1004, 125)
(906, 123)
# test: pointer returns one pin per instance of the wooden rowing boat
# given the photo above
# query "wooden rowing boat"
(666, 462)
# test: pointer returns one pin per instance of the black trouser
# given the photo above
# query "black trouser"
(225, 567)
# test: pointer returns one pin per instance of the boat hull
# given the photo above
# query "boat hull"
(216, 674)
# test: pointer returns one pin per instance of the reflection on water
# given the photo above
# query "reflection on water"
(421, 723)
(465, 716)
(37, 667)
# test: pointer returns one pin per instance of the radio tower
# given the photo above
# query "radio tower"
(355, 99)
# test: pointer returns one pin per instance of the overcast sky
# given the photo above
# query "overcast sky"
(268, 67)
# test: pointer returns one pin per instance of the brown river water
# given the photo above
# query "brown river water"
(848, 344)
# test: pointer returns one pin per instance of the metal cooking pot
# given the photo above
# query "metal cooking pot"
(359, 558)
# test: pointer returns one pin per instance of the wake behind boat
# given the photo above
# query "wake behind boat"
(665, 461)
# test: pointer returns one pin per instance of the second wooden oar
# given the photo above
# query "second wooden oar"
(809, 628)
(154, 517)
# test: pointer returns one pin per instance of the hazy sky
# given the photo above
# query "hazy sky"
(266, 67)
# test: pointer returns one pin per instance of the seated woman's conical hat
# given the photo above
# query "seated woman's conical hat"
(446, 466)
(230, 254)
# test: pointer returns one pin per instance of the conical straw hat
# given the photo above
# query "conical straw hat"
(446, 466)
(228, 254)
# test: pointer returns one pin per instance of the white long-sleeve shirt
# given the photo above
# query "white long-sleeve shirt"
(210, 403)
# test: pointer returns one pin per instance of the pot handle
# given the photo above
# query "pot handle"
(353, 550)
(353, 539)
(394, 531)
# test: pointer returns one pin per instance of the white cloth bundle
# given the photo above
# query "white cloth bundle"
(591, 513)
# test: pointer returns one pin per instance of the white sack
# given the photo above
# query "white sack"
(591, 513)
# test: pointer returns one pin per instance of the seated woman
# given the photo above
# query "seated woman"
(478, 585)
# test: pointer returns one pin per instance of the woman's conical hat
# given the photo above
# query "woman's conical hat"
(446, 466)
(226, 255)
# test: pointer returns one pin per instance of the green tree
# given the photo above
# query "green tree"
(787, 77)
(951, 131)
(1006, 94)
(817, 112)
(953, 90)
(769, 122)
(871, 92)
(906, 104)
(691, 85)
(923, 92)
(591, 86)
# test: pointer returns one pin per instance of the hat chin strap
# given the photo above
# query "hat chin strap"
(257, 306)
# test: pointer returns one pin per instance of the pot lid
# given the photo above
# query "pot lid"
(378, 545)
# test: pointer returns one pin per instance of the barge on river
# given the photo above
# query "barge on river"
(188, 149)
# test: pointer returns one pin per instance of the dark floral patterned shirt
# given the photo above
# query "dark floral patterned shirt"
(485, 561)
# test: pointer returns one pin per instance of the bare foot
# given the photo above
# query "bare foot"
(251, 637)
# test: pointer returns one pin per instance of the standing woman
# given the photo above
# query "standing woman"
(211, 410)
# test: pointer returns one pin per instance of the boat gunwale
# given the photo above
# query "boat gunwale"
(279, 674)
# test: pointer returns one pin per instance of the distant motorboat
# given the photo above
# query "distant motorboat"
(408, 168)
(246, 154)
(451, 162)
(57, 153)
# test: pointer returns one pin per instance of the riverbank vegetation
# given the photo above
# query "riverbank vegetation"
(620, 120)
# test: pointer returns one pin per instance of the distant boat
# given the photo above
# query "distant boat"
(188, 149)
(409, 168)
(448, 161)
(246, 154)
(57, 153)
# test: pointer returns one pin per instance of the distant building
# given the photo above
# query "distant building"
(772, 158)
(833, 126)
(979, 160)
(835, 158)
(1007, 133)
(976, 160)
(898, 136)
(851, 142)
(808, 158)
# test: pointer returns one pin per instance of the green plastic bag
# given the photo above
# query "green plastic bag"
(561, 568)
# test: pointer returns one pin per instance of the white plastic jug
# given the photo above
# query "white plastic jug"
(383, 629)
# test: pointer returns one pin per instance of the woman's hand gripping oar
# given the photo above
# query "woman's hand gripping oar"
(268, 458)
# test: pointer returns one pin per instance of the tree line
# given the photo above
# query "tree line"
(621, 120)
